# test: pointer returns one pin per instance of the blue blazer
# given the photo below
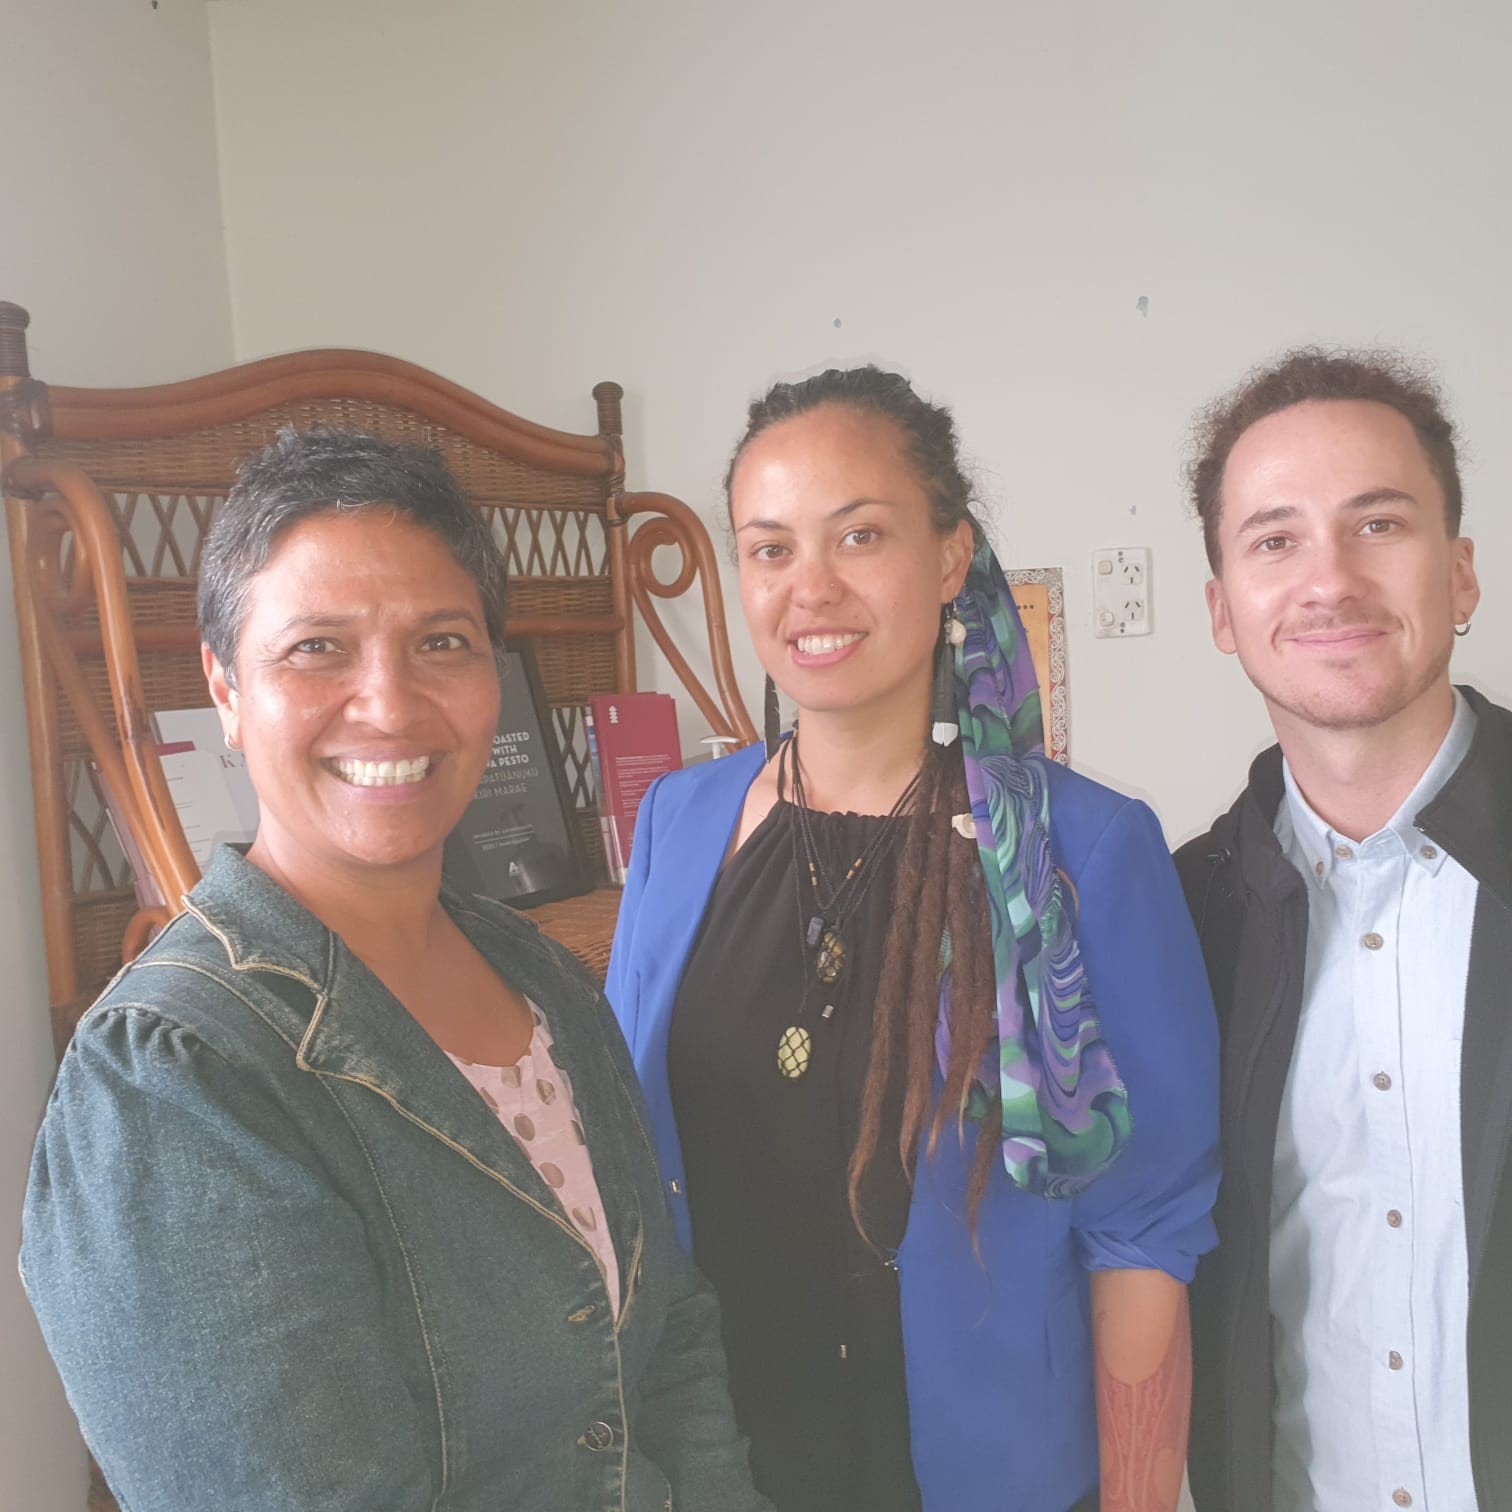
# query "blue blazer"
(998, 1350)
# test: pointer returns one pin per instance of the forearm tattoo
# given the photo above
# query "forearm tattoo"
(1142, 1426)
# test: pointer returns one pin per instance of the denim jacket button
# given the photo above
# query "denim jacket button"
(597, 1437)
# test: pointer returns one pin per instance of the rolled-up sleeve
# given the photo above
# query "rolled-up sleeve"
(1152, 1210)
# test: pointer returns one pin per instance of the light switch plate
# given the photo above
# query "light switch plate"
(1121, 592)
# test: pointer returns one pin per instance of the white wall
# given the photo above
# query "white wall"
(694, 197)
(687, 195)
(112, 239)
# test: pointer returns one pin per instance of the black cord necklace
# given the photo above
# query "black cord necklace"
(821, 924)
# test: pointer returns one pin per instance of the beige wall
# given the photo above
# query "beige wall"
(112, 239)
(694, 197)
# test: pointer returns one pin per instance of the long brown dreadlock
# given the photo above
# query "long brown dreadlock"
(940, 889)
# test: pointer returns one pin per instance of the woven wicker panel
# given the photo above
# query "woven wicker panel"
(550, 542)
(584, 925)
(100, 921)
(154, 601)
(170, 680)
(162, 533)
(574, 667)
(205, 461)
(541, 598)
(98, 864)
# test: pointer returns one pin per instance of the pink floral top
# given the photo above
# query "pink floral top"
(533, 1100)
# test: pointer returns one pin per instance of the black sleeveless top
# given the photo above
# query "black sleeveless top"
(810, 1308)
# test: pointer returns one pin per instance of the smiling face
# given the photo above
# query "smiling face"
(1339, 585)
(365, 697)
(842, 570)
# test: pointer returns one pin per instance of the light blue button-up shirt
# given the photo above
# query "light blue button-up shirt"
(1369, 1280)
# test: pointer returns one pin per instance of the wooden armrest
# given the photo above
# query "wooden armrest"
(674, 524)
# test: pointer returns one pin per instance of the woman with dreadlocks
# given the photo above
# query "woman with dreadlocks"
(920, 1016)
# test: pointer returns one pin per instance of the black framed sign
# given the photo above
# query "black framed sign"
(517, 839)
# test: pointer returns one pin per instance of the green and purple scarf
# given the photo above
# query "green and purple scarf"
(1065, 1110)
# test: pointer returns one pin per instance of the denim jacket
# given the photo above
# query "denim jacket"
(286, 1258)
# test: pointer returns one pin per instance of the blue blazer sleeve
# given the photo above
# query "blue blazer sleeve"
(1152, 1209)
(620, 985)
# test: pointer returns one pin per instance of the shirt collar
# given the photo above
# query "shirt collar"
(1317, 849)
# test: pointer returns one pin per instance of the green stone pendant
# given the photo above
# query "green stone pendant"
(793, 1051)
(829, 961)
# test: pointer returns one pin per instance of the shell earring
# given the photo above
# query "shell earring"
(945, 725)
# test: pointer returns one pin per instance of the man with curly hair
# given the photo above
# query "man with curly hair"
(1353, 1331)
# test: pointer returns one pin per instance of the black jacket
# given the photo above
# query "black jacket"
(1250, 907)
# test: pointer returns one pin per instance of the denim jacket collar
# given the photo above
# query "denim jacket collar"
(343, 1022)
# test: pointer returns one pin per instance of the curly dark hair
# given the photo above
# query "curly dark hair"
(939, 879)
(301, 473)
(1310, 373)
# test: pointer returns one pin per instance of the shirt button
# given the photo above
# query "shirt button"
(1318, 868)
(1394, 1360)
(1393, 1219)
(597, 1437)
(674, 1187)
(1381, 1081)
(1402, 1497)
(1343, 852)
(1429, 852)
(1372, 941)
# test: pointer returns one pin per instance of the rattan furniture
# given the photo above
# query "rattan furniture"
(108, 494)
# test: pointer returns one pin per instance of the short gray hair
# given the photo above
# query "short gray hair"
(302, 473)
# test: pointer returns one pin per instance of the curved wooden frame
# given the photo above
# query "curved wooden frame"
(71, 504)
(677, 526)
(66, 558)
(177, 409)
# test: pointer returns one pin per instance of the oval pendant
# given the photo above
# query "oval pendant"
(793, 1051)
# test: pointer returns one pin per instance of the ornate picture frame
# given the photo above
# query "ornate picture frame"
(1040, 595)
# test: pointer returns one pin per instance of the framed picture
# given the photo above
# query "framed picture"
(517, 840)
(1040, 595)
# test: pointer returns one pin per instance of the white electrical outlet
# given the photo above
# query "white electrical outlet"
(1121, 591)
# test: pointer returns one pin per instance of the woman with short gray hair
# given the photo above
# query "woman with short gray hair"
(344, 1198)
